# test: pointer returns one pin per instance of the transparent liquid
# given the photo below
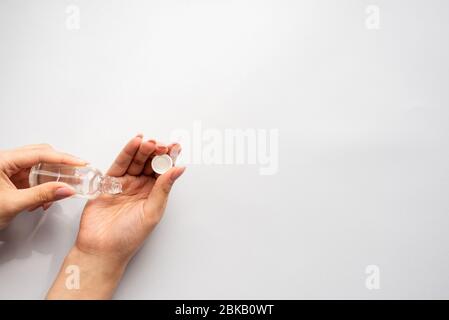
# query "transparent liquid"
(88, 182)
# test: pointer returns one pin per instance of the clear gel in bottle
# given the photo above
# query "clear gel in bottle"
(88, 182)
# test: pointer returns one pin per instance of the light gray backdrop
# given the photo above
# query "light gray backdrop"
(360, 101)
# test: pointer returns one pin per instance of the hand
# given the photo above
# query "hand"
(15, 192)
(116, 225)
(113, 227)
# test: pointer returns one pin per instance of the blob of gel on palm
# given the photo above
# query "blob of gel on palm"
(161, 164)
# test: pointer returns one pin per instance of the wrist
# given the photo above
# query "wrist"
(87, 276)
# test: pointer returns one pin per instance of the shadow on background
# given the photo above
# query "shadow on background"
(49, 233)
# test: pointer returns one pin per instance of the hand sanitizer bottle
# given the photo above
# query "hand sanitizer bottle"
(88, 182)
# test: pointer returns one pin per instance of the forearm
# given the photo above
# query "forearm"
(87, 276)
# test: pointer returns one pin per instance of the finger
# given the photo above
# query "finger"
(37, 146)
(157, 200)
(174, 150)
(125, 157)
(160, 149)
(28, 157)
(141, 157)
(34, 208)
(41, 194)
(148, 170)
(47, 205)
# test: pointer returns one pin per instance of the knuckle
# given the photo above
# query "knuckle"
(63, 158)
(4, 155)
(42, 146)
(6, 205)
(139, 162)
(42, 196)
(6, 159)
(152, 220)
(166, 188)
(45, 146)
(121, 162)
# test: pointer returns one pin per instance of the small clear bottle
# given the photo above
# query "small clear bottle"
(88, 182)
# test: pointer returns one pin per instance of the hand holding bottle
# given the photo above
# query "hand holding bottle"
(15, 192)
(113, 227)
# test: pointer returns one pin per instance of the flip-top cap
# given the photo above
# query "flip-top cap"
(161, 164)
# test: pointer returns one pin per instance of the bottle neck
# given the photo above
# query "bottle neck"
(110, 185)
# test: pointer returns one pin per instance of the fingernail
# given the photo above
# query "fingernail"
(83, 161)
(139, 135)
(152, 141)
(175, 151)
(174, 154)
(78, 159)
(175, 175)
(63, 192)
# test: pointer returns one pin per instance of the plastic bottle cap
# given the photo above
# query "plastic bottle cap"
(161, 164)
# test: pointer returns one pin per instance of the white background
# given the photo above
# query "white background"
(363, 150)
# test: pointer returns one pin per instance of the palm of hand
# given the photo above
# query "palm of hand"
(116, 224)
